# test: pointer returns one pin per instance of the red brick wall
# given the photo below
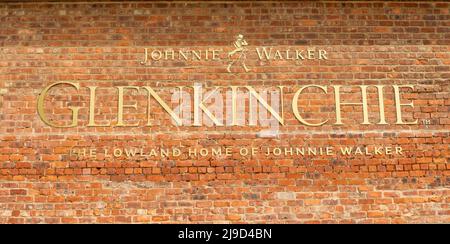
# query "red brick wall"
(101, 44)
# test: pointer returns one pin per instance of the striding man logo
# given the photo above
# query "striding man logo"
(238, 55)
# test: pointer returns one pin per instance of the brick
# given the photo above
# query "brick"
(42, 182)
(286, 195)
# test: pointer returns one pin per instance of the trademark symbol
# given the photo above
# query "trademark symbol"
(426, 122)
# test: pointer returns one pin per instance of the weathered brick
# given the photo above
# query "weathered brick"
(42, 182)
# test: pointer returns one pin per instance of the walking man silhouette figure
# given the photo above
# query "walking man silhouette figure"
(240, 48)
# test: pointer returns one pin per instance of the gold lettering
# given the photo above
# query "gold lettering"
(299, 54)
(323, 54)
(311, 54)
(288, 56)
(215, 54)
(93, 153)
(169, 54)
(295, 105)
(156, 55)
(398, 105)
(234, 105)
(264, 53)
(41, 109)
(266, 106)
(363, 103)
(145, 56)
(381, 105)
(378, 151)
(196, 54)
(278, 55)
(388, 150)
(182, 54)
(152, 93)
(199, 105)
(117, 152)
(121, 106)
(176, 152)
(92, 108)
